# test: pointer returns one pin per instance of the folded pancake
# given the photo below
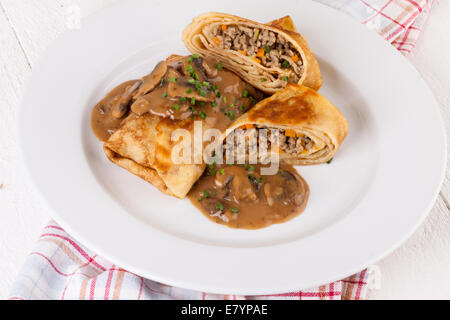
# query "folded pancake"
(268, 56)
(137, 118)
(311, 129)
(143, 146)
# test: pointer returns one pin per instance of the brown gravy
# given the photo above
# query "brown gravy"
(108, 114)
(183, 88)
(199, 89)
(239, 197)
(179, 89)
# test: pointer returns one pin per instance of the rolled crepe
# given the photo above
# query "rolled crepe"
(268, 56)
(311, 129)
(143, 146)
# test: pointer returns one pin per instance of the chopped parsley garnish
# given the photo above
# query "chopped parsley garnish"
(172, 79)
(164, 95)
(260, 179)
(219, 206)
(214, 87)
(285, 78)
(200, 199)
(242, 109)
(285, 64)
(250, 168)
(189, 91)
(205, 83)
(225, 99)
(193, 100)
(189, 69)
(214, 104)
(176, 106)
(256, 33)
(206, 194)
(245, 94)
(192, 81)
(183, 99)
(195, 75)
(219, 66)
(222, 171)
(203, 93)
(329, 161)
(202, 114)
(211, 169)
(262, 79)
(235, 210)
(266, 49)
(201, 103)
(230, 114)
(192, 111)
(219, 94)
(195, 56)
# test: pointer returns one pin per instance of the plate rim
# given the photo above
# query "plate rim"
(77, 235)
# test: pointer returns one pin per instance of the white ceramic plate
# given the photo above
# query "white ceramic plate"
(375, 193)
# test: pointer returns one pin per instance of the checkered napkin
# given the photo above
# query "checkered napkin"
(398, 21)
(61, 268)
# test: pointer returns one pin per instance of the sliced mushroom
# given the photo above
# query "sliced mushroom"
(210, 205)
(200, 69)
(210, 70)
(256, 183)
(267, 193)
(157, 103)
(183, 88)
(121, 103)
(152, 80)
(237, 184)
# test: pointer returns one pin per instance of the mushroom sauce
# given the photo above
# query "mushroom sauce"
(239, 197)
(182, 88)
(179, 88)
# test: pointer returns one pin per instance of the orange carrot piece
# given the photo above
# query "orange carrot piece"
(294, 58)
(289, 133)
(224, 27)
(216, 41)
(260, 53)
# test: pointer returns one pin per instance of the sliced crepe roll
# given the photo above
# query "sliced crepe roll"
(268, 56)
(311, 129)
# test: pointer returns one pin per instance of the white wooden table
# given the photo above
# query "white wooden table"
(418, 269)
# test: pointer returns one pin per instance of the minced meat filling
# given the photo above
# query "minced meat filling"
(295, 145)
(266, 47)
